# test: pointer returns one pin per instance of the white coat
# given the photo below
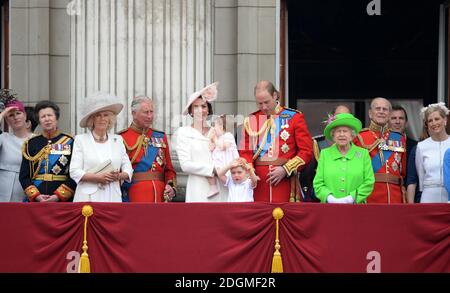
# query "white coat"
(88, 154)
(429, 165)
(195, 159)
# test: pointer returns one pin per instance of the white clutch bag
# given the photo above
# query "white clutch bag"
(103, 167)
(90, 188)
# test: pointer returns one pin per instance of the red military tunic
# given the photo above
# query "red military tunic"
(388, 152)
(283, 140)
(149, 180)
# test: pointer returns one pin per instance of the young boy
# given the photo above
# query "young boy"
(241, 180)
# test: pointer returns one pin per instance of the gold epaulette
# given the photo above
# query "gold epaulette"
(364, 129)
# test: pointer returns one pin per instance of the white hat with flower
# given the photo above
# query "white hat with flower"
(208, 93)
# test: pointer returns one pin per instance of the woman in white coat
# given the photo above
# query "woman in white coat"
(430, 154)
(192, 147)
(99, 160)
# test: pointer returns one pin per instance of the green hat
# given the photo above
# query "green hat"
(343, 119)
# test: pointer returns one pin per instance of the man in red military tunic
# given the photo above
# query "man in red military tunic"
(154, 178)
(277, 143)
(387, 149)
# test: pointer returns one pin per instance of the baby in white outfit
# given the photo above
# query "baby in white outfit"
(223, 150)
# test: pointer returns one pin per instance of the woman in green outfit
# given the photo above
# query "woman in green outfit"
(344, 173)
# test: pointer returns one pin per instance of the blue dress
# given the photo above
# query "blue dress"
(447, 171)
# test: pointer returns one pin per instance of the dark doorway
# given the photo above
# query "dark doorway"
(337, 52)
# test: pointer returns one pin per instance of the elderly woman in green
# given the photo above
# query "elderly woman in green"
(344, 173)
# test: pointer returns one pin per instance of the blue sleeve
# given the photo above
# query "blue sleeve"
(447, 171)
(411, 177)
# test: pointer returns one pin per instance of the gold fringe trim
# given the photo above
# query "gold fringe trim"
(277, 262)
(85, 265)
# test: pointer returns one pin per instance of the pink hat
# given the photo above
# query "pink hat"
(16, 103)
(208, 93)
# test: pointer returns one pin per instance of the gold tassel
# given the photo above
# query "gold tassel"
(277, 262)
(84, 265)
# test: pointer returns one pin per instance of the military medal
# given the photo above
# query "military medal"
(397, 157)
(383, 146)
(394, 166)
(285, 124)
(56, 169)
(285, 135)
(285, 148)
(160, 157)
(63, 160)
(159, 160)
(145, 142)
(66, 149)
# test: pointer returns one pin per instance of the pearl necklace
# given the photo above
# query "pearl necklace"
(100, 139)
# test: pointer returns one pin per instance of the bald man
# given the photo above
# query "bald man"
(277, 143)
(387, 149)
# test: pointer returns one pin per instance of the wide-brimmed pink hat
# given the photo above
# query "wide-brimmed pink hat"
(208, 93)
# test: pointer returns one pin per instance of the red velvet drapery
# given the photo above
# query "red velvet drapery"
(225, 237)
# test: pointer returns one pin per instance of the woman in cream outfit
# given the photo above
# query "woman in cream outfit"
(94, 149)
(192, 147)
(430, 154)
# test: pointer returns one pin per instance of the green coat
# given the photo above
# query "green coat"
(340, 175)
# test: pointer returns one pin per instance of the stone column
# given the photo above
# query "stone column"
(244, 51)
(40, 48)
(159, 48)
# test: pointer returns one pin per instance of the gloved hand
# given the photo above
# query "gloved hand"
(332, 199)
(347, 199)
